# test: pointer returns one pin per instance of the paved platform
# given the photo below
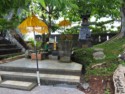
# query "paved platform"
(42, 90)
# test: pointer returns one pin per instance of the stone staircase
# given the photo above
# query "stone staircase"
(8, 49)
(48, 76)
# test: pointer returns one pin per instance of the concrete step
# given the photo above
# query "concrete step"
(3, 41)
(45, 78)
(10, 50)
(42, 70)
(10, 55)
(22, 85)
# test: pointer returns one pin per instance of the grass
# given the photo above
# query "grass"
(111, 50)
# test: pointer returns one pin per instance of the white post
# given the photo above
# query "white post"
(55, 38)
(54, 45)
(37, 64)
(38, 78)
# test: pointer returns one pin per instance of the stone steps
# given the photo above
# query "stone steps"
(7, 48)
(10, 55)
(8, 51)
(3, 46)
(45, 78)
(52, 72)
(46, 71)
(4, 41)
(45, 67)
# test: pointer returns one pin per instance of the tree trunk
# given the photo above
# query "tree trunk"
(123, 20)
(49, 26)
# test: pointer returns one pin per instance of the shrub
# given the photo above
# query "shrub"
(83, 56)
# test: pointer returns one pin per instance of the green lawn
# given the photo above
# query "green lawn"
(111, 49)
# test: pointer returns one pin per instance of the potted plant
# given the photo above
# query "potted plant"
(38, 47)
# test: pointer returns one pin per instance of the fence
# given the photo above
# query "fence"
(95, 38)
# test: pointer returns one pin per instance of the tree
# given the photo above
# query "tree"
(123, 18)
(72, 9)
(51, 10)
(96, 8)
(9, 10)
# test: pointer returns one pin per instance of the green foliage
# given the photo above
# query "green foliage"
(7, 5)
(73, 30)
(84, 56)
(108, 65)
(101, 29)
(51, 10)
(107, 91)
(4, 24)
(10, 7)
(97, 8)
(38, 43)
(105, 70)
(111, 50)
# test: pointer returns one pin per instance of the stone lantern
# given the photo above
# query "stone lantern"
(84, 34)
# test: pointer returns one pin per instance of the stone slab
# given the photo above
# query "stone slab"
(98, 55)
(23, 85)
(98, 49)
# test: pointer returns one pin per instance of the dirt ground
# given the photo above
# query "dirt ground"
(99, 85)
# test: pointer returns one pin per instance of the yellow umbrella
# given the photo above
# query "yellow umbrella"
(33, 23)
(36, 25)
(64, 23)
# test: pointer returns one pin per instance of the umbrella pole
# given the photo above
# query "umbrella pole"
(37, 71)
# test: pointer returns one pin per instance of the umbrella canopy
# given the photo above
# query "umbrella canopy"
(37, 26)
(33, 23)
(64, 23)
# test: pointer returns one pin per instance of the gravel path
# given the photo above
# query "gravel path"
(42, 90)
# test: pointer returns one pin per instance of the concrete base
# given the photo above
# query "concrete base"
(65, 59)
(22, 85)
(55, 53)
(52, 57)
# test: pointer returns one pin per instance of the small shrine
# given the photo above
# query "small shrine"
(65, 48)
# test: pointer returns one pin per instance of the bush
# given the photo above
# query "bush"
(83, 56)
